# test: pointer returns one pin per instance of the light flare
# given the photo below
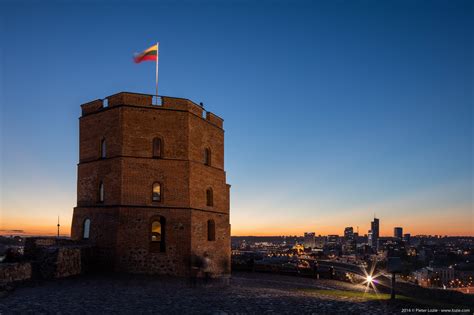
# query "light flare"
(371, 279)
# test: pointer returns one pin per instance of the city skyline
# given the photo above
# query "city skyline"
(353, 229)
(329, 118)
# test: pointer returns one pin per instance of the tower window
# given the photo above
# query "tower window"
(103, 149)
(209, 197)
(157, 235)
(157, 148)
(86, 229)
(156, 194)
(211, 230)
(101, 191)
(207, 156)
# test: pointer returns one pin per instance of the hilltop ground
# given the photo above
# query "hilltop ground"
(247, 293)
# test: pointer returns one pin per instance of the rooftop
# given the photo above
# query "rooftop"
(152, 102)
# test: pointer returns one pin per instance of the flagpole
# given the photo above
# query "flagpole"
(157, 55)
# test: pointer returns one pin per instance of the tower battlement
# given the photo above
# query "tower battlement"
(146, 100)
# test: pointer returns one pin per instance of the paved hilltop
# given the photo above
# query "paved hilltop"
(249, 293)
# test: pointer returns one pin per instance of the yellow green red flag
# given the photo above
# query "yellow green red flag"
(151, 54)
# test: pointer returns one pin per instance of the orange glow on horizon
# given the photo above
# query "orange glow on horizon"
(32, 227)
(65, 230)
(452, 222)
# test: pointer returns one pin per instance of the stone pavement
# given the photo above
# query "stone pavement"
(247, 293)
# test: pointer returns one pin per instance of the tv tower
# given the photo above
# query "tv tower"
(58, 226)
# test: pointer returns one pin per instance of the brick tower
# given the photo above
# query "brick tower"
(151, 187)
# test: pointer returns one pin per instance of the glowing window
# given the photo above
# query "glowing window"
(156, 195)
(156, 231)
(157, 235)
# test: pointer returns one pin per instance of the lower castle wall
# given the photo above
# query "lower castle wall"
(123, 236)
(14, 272)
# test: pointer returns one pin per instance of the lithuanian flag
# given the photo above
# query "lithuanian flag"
(149, 54)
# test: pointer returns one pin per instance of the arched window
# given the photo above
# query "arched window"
(101, 191)
(157, 235)
(211, 230)
(209, 197)
(156, 194)
(86, 229)
(157, 148)
(207, 156)
(103, 149)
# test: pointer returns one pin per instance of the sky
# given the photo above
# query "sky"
(334, 111)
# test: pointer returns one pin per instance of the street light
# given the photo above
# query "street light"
(369, 279)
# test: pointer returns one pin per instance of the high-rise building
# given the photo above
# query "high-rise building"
(151, 186)
(374, 234)
(398, 233)
(348, 233)
(406, 238)
(309, 240)
(333, 239)
(349, 240)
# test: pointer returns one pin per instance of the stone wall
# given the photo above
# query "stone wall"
(59, 262)
(52, 258)
(14, 272)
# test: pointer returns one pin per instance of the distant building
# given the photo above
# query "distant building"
(348, 233)
(406, 238)
(310, 240)
(357, 239)
(374, 234)
(320, 241)
(350, 242)
(398, 233)
(434, 276)
(333, 239)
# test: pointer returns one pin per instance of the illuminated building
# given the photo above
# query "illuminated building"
(374, 234)
(309, 240)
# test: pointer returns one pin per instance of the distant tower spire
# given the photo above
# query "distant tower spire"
(58, 226)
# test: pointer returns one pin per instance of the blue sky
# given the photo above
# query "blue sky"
(334, 110)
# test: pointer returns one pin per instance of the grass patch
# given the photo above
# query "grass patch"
(369, 296)
(372, 296)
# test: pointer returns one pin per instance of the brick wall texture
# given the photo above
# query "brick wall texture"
(120, 225)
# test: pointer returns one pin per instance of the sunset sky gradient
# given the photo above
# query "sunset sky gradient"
(334, 110)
